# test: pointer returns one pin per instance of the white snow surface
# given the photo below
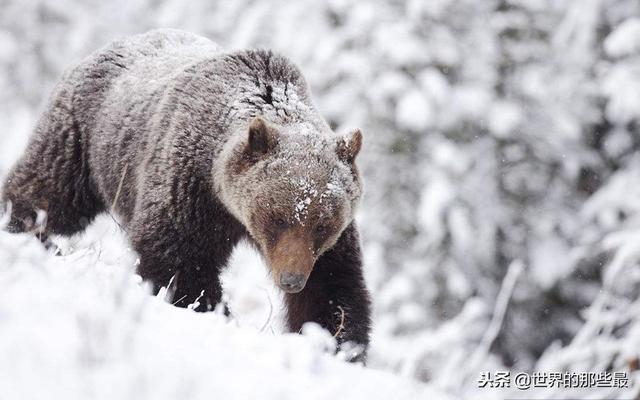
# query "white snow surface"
(82, 326)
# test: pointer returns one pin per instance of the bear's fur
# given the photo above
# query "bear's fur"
(195, 149)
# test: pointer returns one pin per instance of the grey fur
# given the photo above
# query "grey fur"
(156, 126)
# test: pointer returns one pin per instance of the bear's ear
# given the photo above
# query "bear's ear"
(349, 146)
(262, 138)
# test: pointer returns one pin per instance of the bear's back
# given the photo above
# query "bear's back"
(117, 97)
(130, 70)
(149, 59)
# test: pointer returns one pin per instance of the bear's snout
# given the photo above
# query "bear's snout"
(291, 282)
(291, 260)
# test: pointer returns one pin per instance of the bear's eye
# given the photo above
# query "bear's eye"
(280, 222)
(321, 229)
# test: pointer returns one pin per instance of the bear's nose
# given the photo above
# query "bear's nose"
(292, 283)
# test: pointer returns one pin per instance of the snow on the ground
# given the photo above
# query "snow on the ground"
(83, 326)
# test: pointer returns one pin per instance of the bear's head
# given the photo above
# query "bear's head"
(295, 188)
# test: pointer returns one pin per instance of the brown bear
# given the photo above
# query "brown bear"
(195, 149)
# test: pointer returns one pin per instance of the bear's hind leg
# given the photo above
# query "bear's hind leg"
(335, 295)
(52, 178)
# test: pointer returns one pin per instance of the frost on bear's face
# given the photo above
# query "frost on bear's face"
(295, 189)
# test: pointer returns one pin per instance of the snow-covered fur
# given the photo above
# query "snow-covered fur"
(195, 149)
(318, 189)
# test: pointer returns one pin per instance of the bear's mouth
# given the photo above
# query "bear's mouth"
(292, 291)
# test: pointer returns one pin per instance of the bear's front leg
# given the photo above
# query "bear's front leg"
(335, 295)
(184, 251)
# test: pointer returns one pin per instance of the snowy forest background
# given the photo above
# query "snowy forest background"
(501, 221)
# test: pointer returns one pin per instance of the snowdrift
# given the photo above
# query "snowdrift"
(83, 326)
